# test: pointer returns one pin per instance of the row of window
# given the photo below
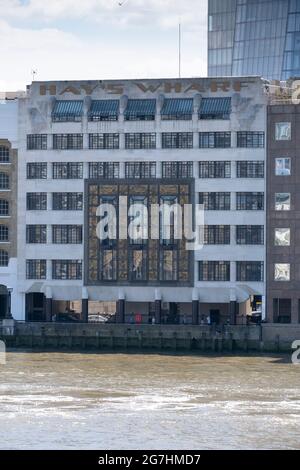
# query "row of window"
(222, 201)
(60, 201)
(211, 201)
(111, 170)
(61, 234)
(141, 109)
(213, 234)
(246, 271)
(61, 269)
(137, 141)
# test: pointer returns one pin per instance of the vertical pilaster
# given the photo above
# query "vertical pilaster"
(158, 300)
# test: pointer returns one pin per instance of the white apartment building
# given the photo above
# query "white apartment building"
(187, 140)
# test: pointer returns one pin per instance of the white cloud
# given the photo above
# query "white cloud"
(61, 55)
(165, 13)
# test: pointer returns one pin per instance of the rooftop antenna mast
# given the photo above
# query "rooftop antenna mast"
(34, 73)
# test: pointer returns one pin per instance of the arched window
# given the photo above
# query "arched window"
(4, 181)
(3, 258)
(4, 208)
(4, 154)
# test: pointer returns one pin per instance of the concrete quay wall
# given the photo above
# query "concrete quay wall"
(101, 337)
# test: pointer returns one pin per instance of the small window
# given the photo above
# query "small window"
(282, 201)
(283, 131)
(4, 181)
(4, 259)
(4, 154)
(282, 272)
(283, 167)
(282, 237)
(4, 233)
(4, 208)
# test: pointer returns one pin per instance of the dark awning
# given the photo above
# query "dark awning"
(215, 107)
(67, 110)
(177, 106)
(140, 108)
(104, 109)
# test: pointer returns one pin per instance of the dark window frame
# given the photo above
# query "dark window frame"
(37, 141)
(177, 140)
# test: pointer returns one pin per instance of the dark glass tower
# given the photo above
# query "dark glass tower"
(254, 37)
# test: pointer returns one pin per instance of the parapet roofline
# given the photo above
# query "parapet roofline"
(129, 80)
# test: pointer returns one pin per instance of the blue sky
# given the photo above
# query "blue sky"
(94, 39)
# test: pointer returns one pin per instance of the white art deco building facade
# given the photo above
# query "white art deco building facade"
(153, 141)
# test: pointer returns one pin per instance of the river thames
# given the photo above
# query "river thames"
(82, 401)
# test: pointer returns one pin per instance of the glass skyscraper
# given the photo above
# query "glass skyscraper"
(254, 37)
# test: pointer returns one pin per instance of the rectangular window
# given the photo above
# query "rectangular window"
(167, 222)
(214, 140)
(177, 140)
(282, 237)
(37, 171)
(176, 170)
(4, 181)
(283, 167)
(67, 141)
(138, 268)
(250, 235)
(168, 265)
(67, 202)
(4, 233)
(250, 139)
(283, 131)
(140, 141)
(215, 170)
(250, 169)
(108, 265)
(68, 270)
(37, 141)
(215, 201)
(250, 201)
(36, 269)
(282, 272)
(67, 111)
(104, 110)
(282, 310)
(63, 171)
(249, 271)
(66, 234)
(217, 235)
(282, 201)
(36, 201)
(140, 110)
(215, 108)
(105, 170)
(4, 154)
(140, 170)
(178, 109)
(36, 234)
(4, 208)
(212, 271)
(104, 141)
